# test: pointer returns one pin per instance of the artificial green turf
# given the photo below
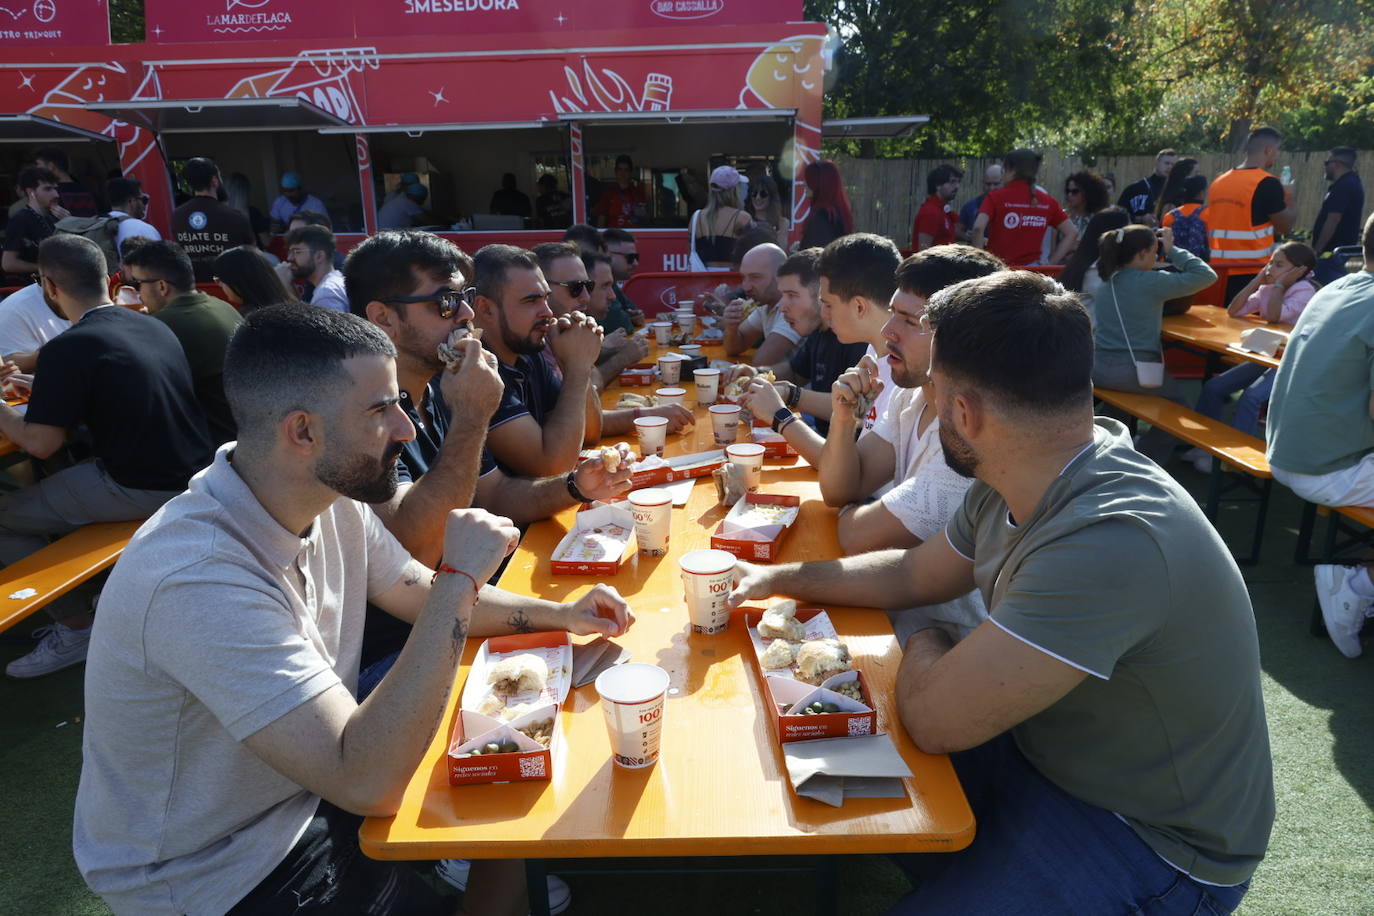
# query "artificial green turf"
(1321, 721)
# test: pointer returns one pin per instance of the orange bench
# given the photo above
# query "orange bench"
(60, 567)
(1229, 447)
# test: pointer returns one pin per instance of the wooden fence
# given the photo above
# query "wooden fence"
(885, 193)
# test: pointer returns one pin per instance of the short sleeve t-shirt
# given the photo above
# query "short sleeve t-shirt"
(620, 207)
(26, 322)
(1346, 197)
(205, 228)
(531, 388)
(1138, 198)
(767, 321)
(821, 359)
(216, 624)
(25, 230)
(125, 377)
(283, 209)
(203, 325)
(1118, 573)
(1267, 201)
(1319, 419)
(1018, 216)
(936, 219)
(330, 293)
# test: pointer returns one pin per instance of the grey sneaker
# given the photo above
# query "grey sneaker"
(1343, 610)
(60, 647)
(455, 872)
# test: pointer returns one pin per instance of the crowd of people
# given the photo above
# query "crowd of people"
(330, 500)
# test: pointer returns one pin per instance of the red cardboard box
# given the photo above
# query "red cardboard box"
(601, 535)
(639, 374)
(653, 471)
(472, 729)
(783, 692)
(751, 539)
(774, 445)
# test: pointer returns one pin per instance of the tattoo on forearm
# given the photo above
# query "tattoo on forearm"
(520, 622)
(460, 633)
(412, 578)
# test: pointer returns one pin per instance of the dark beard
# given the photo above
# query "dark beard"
(958, 455)
(523, 346)
(359, 477)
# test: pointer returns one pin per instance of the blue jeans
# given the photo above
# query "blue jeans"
(372, 675)
(1253, 380)
(1040, 850)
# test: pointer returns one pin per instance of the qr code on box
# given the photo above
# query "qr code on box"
(533, 768)
(861, 726)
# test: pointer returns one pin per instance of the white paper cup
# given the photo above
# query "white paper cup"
(662, 331)
(671, 396)
(725, 422)
(653, 434)
(670, 369)
(707, 578)
(708, 386)
(750, 457)
(686, 322)
(633, 696)
(652, 510)
(691, 351)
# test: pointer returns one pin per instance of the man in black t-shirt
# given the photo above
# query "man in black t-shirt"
(76, 199)
(204, 226)
(1338, 222)
(124, 377)
(1138, 199)
(32, 224)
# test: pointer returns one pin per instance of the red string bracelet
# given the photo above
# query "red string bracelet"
(445, 568)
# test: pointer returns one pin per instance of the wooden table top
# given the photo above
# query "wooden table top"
(720, 786)
(1209, 327)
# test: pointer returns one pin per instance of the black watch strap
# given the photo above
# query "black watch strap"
(573, 491)
(781, 415)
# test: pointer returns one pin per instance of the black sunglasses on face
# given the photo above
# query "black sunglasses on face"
(631, 258)
(576, 288)
(138, 284)
(449, 301)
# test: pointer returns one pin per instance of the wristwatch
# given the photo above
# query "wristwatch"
(780, 417)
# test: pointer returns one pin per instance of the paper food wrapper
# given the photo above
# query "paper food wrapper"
(1263, 340)
(598, 542)
(830, 770)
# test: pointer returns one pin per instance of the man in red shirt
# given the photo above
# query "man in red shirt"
(936, 220)
(1013, 219)
(623, 205)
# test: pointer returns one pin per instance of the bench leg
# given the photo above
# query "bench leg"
(1301, 553)
(827, 885)
(1260, 513)
(537, 884)
(1213, 492)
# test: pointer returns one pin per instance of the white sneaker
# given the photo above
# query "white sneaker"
(1203, 461)
(455, 872)
(60, 647)
(1343, 609)
(1193, 454)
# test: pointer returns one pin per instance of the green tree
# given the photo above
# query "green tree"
(126, 21)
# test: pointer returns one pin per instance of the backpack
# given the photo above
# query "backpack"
(1190, 232)
(103, 230)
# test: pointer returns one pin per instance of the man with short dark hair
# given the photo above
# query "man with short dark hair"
(31, 225)
(228, 761)
(1138, 199)
(310, 251)
(858, 277)
(124, 377)
(204, 226)
(1107, 721)
(566, 270)
(509, 200)
(1338, 221)
(129, 205)
(552, 207)
(623, 203)
(936, 220)
(28, 319)
(72, 194)
(606, 307)
(164, 278)
(1247, 205)
(585, 237)
(621, 246)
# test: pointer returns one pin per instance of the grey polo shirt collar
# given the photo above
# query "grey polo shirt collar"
(274, 545)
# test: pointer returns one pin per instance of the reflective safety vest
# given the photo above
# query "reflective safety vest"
(1230, 233)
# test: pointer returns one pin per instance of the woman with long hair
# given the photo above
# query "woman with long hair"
(1085, 195)
(1172, 194)
(1278, 293)
(1130, 310)
(248, 281)
(1012, 220)
(1079, 274)
(715, 226)
(831, 215)
(766, 206)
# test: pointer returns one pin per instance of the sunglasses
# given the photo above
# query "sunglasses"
(764, 194)
(576, 288)
(449, 301)
(138, 284)
(631, 258)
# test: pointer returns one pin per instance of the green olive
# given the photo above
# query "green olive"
(492, 748)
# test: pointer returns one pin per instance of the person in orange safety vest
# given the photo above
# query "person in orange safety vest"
(1249, 205)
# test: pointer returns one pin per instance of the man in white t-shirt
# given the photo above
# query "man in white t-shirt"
(901, 462)
(764, 328)
(129, 205)
(310, 255)
(27, 321)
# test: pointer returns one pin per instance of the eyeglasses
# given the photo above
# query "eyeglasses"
(449, 301)
(138, 284)
(293, 252)
(631, 258)
(576, 288)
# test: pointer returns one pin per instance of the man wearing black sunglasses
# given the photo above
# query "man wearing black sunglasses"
(129, 205)
(620, 245)
(571, 290)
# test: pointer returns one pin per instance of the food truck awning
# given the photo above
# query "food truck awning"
(174, 116)
(416, 130)
(27, 128)
(691, 115)
(871, 128)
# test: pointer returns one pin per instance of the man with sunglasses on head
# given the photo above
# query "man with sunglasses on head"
(129, 205)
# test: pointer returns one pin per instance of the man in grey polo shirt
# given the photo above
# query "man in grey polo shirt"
(226, 759)
(1106, 721)
(1320, 429)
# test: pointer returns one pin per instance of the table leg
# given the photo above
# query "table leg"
(537, 884)
(827, 885)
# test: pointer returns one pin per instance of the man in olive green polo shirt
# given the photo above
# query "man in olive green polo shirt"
(1106, 721)
(1321, 428)
(166, 279)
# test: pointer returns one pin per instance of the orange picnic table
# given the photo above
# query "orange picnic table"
(720, 787)
(1211, 329)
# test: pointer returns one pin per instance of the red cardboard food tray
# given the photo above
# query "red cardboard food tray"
(601, 518)
(753, 544)
(640, 374)
(653, 472)
(774, 445)
(785, 689)
(469, 725)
